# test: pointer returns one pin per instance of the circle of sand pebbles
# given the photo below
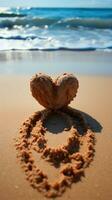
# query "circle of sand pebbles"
(76, 154)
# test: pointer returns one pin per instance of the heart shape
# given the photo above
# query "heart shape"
(54, 94)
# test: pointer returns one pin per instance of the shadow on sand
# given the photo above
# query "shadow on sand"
(56, 123)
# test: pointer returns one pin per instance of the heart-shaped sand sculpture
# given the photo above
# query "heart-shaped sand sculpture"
(54, 94)
(72, 157)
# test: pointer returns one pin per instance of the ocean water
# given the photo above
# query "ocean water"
(55, 28)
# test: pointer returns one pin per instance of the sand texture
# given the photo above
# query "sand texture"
(94, 102)
(70, 158)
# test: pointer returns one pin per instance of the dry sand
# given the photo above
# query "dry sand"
(16, 104)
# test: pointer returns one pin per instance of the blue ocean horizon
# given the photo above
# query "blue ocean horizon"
(55, 28)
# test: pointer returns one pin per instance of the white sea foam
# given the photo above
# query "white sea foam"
(32, 28)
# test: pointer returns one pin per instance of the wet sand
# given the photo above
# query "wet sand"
(16, 104)
(56, 62)
(94, 71)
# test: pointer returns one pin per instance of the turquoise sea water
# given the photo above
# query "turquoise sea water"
(55, 28)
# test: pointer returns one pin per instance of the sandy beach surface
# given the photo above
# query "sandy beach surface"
(16, 104)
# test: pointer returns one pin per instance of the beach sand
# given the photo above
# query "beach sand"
(16, 104)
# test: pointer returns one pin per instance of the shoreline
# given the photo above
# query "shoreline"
(82, 63)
